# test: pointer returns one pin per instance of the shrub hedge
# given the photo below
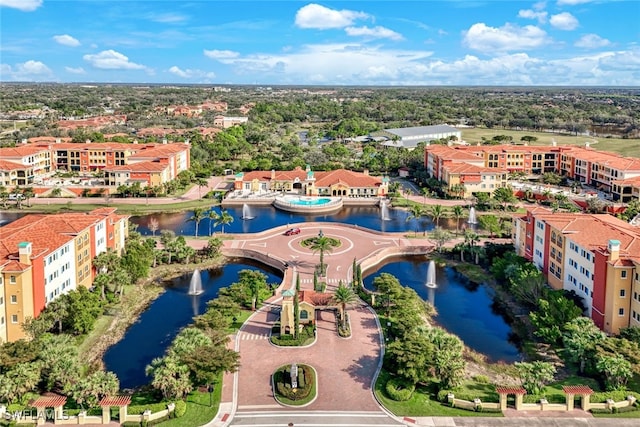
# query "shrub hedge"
(181, 408)
(399, 389)
(282, 380)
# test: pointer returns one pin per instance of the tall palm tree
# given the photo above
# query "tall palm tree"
(322, 244)
(213, 217)
(458, 212)
(223, 219)
(28, 193)
(415, 212)
(201, 182)
(198, 215)
(343, 297)
(425, 192)
(437, 212)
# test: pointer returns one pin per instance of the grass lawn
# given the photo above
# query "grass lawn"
(64, 205)
(423, 403)
(198, 410)
(286, 401)
(626, 147)
(630, 414)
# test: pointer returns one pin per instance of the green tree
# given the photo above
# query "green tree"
(343, 297)
(93, 388)
(441, 237)
(296, 308)
(552, 315)
(223, 219)
(170, 376)
(458, 212)
(436, 212)
(84, 309)
(491, 223)
(415, 212)
(505, 196)
(187, 341)
(408, 358)
(446, 360)
(19, 380)
(616, 369)
(60, 364)
(197, 216)
(535, 375)
(207, 362)
(528, 285)
(255, 283)
(201, 182)
(323, 245)
(580, 338)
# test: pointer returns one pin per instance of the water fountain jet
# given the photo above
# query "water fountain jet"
(195, 285)
(384, 211)
(472, 216)
(431, 275)
(246, 212)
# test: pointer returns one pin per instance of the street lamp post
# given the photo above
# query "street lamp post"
(210, 389)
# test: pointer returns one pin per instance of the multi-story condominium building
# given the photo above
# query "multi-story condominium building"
(463, 170)
(607, 172)
(597, 256)
(20, 165)
(339, 182)
(24, 164)
(227, 122)
(45, 256)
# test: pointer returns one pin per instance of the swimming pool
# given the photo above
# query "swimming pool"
(302, 204)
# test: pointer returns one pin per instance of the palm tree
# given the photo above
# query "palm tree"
(223, 219)
(425, 192)
(458, 212)
(213, 217)
(28, 193)
(201, 182)
(198, 215)
(415, 212)
(343, 297)
(437, 212)
(322, 244)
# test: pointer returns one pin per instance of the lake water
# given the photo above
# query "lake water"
(463, 309)
(158, 325)
(266, 217)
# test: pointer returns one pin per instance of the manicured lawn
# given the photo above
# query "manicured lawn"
(64, 205)
(631, 414)
(423, 403)
(198, 410)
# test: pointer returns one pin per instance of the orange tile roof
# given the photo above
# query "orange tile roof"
(449, 153)
(577, 389)
(159, 150)
(510, 390)
(116, 401)
(49, 400)
(350, 178)
(314, 298)
(140, 167)
(6, 165)
(20, 151)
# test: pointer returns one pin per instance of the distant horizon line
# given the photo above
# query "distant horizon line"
(257, 85)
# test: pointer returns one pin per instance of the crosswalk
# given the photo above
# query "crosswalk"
(247, 336)
(246, 417)
(332, 280)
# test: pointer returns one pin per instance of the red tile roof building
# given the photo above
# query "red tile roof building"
(340, 182)
(608, 172)
(44, 256)
(597, 256)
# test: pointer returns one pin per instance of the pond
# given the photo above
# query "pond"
(158, 325)
(265, 217)
(464, 309)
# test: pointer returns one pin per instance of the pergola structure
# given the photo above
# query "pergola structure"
(584, 391)
(122, 402)
(49, 400)
(504, 392)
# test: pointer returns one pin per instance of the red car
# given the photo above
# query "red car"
(292, 232)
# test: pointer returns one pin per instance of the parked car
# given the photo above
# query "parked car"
(292, 232)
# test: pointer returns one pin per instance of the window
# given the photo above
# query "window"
(2, 320)
(623, 293)
(621, 312)
(12, 279)
(14, 318)
(623, 274)
(14, 299)
(1, 300)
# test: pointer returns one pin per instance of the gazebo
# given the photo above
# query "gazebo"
(584, 391)
(504, 392)
(49, 400)
(122, 402)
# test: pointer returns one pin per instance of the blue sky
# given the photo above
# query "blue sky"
(448, 42)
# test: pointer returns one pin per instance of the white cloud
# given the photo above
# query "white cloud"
(66, 40)
(111, 60)
(375, 32)
(564, 21)
(23, 5)
(27, 71)
(220, 54)
(507, 38)
(540, 15)
(591, 41)
(573, 2)
(190, 74)
(322, 18)
(167, 18)
(78, 70)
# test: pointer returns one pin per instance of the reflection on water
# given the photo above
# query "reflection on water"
(266, 217)
(464, 309)
(158, 325)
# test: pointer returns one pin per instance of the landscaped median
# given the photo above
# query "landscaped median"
(295, 385)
